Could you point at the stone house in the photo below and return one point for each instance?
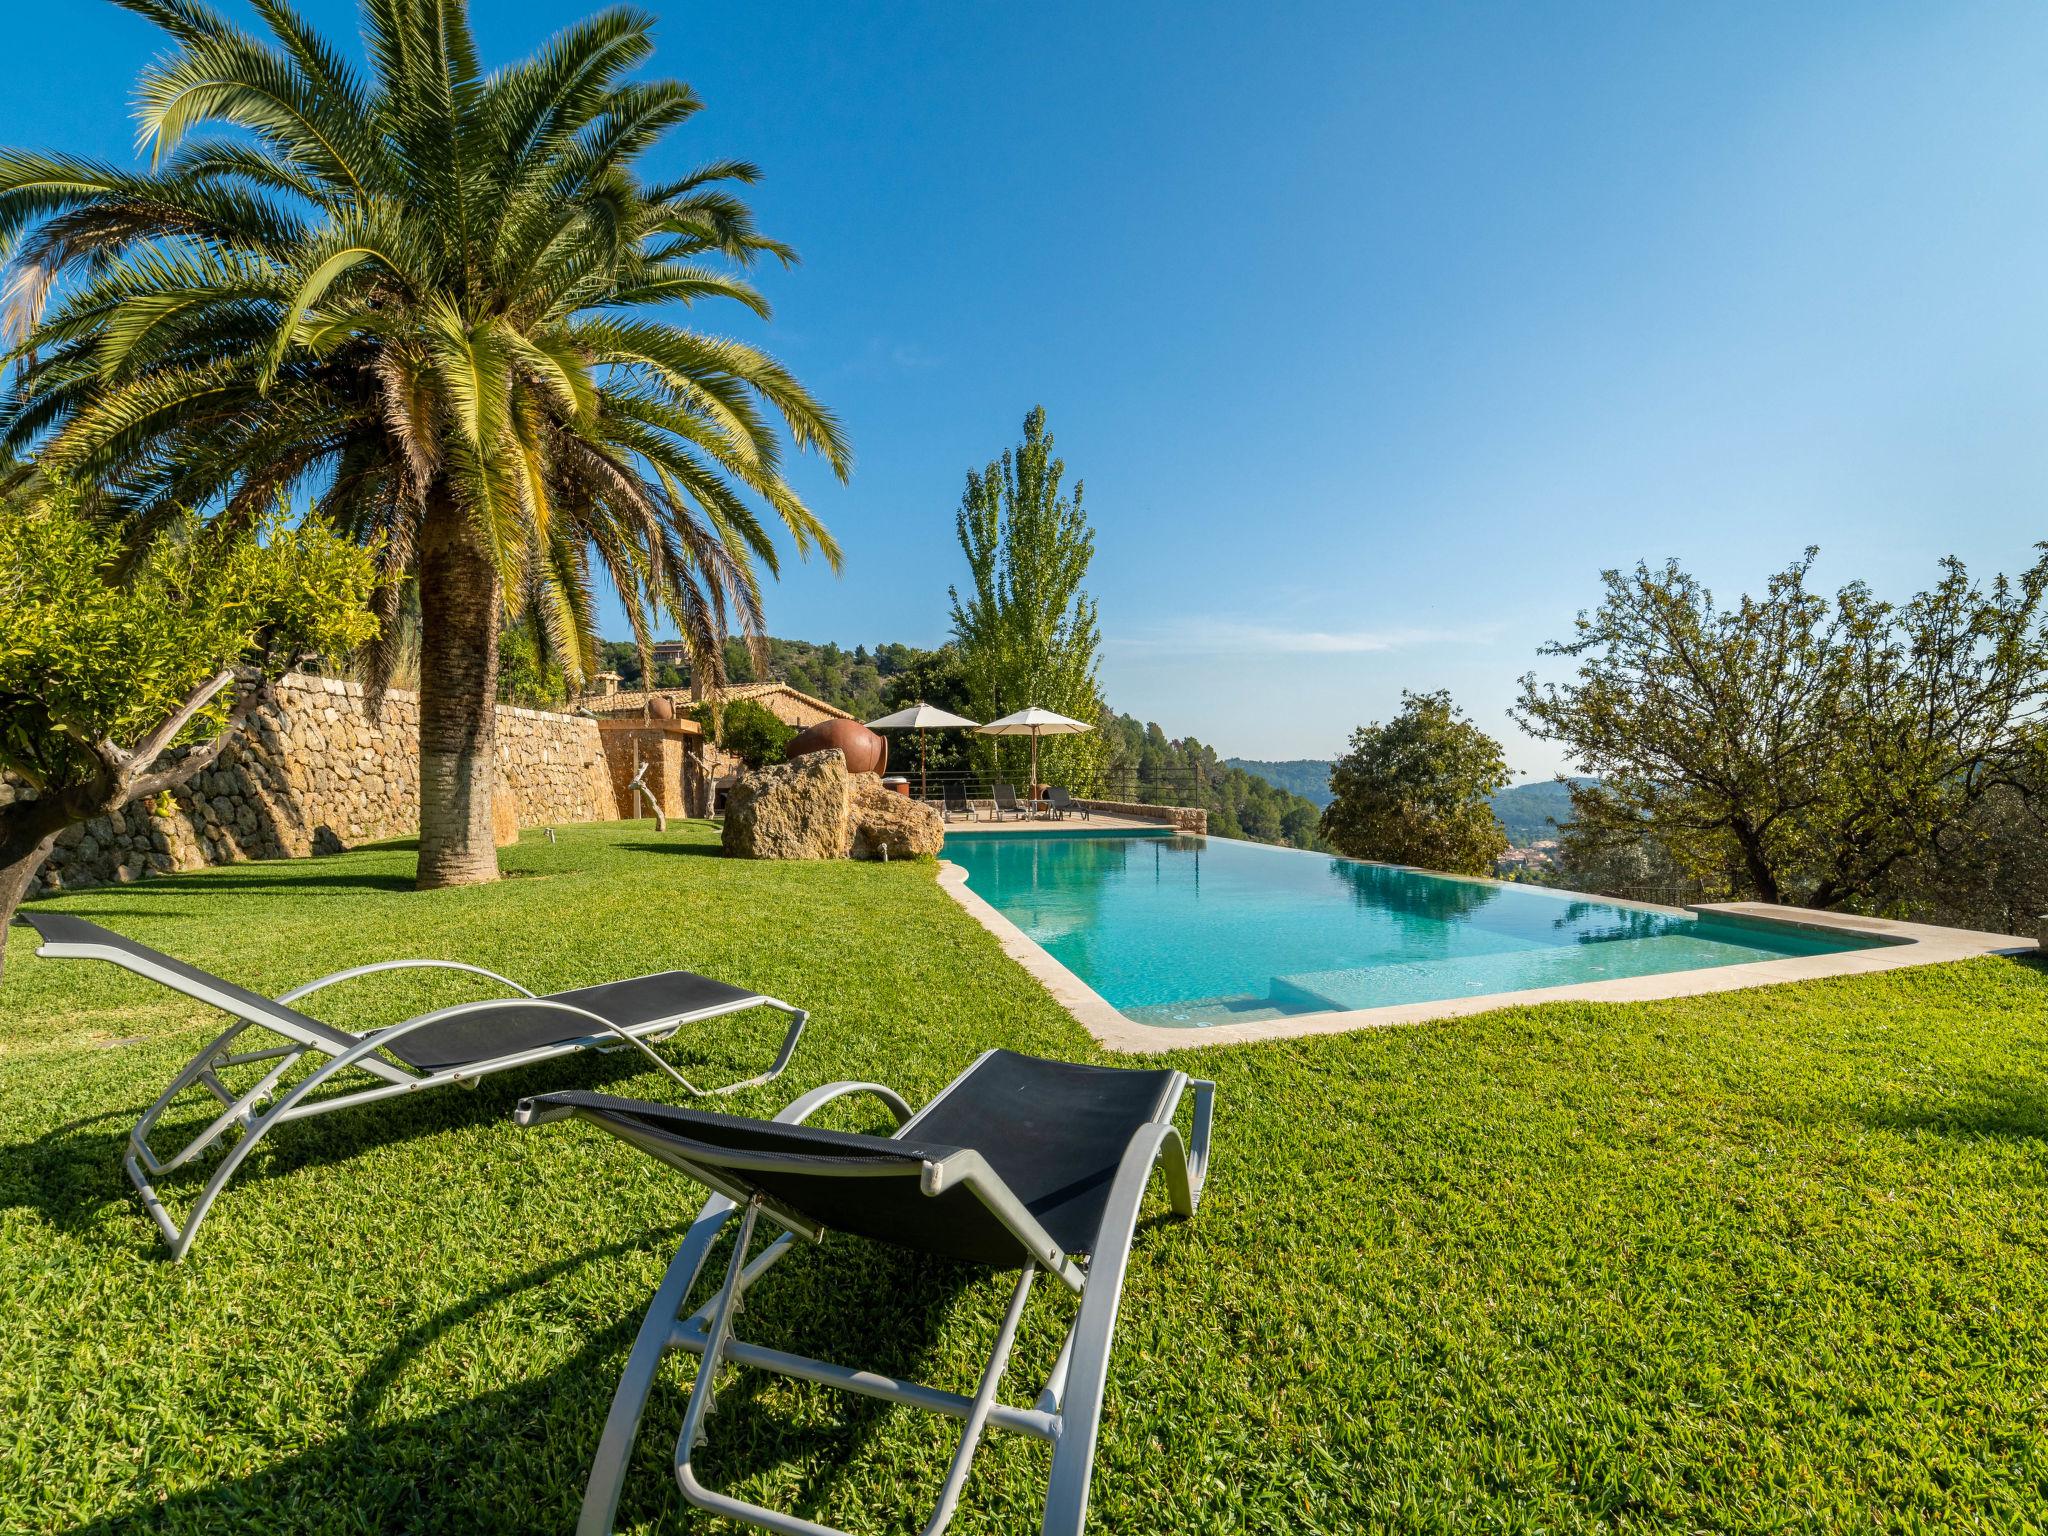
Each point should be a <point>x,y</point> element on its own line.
<point>686,771</point>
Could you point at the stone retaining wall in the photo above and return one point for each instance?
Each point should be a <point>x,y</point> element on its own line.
<point>321,775</point>
<point>1182,818</point>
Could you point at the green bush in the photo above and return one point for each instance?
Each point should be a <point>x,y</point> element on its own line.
<point>746,730</point>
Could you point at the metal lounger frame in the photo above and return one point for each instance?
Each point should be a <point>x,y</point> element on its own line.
<point>242,1110</point>
<point>1060,805</point>
<point>1021,809</point>
<point>1068,1411</point>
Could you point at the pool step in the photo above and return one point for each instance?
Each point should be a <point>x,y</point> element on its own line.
<point>1241,1008</point>
<point>1561,965</point>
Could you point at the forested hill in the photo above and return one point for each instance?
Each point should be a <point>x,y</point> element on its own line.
<point>1149,766</point>
<point>1530,813</point>
<point>1533,812</point>
<point>1308,777</point>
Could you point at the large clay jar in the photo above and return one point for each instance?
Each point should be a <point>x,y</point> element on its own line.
<point>866,751</point>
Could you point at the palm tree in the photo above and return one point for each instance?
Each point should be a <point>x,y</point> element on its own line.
<point>433,301</point>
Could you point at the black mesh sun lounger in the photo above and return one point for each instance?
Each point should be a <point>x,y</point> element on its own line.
<point>1007,803</point>
<point>1063,804</point>
<point>459,1044</point>
<point>1019,1164</point>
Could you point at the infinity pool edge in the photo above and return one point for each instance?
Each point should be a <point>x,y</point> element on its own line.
<point>1897,945</point>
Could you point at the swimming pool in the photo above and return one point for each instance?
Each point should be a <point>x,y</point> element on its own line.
<point>1192,931</point>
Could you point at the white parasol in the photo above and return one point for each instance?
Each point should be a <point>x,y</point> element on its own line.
<point>921,717</point>
<point>1034,722</point>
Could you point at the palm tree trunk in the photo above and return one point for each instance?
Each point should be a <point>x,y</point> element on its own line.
<point>459,612</point>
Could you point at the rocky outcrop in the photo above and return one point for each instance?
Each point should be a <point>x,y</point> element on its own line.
<point>887,825</point>
<point>812,808</point>
<point>790,810</point>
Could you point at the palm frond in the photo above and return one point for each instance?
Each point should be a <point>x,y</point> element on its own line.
<point>402,285</point>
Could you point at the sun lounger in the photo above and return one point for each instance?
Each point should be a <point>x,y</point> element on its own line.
<point>956,802</point>
<point>1020,1164</point>
<point>1007,803</point>
<point>458,1044</point>
<point>1062,804</point>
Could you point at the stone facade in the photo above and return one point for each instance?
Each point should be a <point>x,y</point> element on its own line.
<point>321,775</point>
<point>673,753</point>
<point>792,706</point>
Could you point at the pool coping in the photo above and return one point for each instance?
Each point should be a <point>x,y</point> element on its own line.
<point>1899,945</point>
<point>1015,833</point>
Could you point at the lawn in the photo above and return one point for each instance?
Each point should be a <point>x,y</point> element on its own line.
<point>1755,1261</point>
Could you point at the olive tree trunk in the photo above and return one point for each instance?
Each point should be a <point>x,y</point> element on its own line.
<point>27,834</point>
<point>459,612</point>
<point>116,778</point>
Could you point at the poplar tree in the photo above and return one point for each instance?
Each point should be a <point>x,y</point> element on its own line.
<point>1026,630</point>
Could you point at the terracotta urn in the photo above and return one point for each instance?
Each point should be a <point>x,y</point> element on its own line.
<point>866,751</point>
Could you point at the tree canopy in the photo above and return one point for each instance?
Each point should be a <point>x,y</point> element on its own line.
<point>1415,790</point>
<point>107,662</point>
<point>439,300</point>
<point>1026,630</point>
<point>753,734</point>
<point>1148,766</point>
<point>1798,748</point>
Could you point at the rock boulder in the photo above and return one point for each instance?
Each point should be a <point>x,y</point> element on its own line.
<point>793,810</point>
<point>812,808</point>
<point>889,825</point>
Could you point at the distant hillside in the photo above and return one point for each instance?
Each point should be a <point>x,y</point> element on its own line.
<point>1533,812</point>
<point>1308,777</point>
<point>1529,812</point>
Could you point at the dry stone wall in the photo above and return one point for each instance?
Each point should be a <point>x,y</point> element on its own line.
<point>1182,818</point>
<point>322,775</point>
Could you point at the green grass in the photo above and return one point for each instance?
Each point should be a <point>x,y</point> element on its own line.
<point>1762,1261</point>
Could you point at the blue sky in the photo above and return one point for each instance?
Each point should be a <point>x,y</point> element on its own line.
<point>1375,331</point>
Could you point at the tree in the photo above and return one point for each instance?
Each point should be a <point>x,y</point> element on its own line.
<point>1415,790</point>
<point>1989,871</point>
<point>938,679</point>
<point>527,674</point>
<point>1026,631</point>
<point>102,673</point>
<point>1792,748</point>
<point>1627,861</point>
<point>751,733</point>
<point>435,296</point>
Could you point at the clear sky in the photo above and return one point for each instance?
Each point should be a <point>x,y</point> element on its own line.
<point>1375,331</point>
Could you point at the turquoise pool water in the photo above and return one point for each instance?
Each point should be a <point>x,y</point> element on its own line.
<point>1194,931</point>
